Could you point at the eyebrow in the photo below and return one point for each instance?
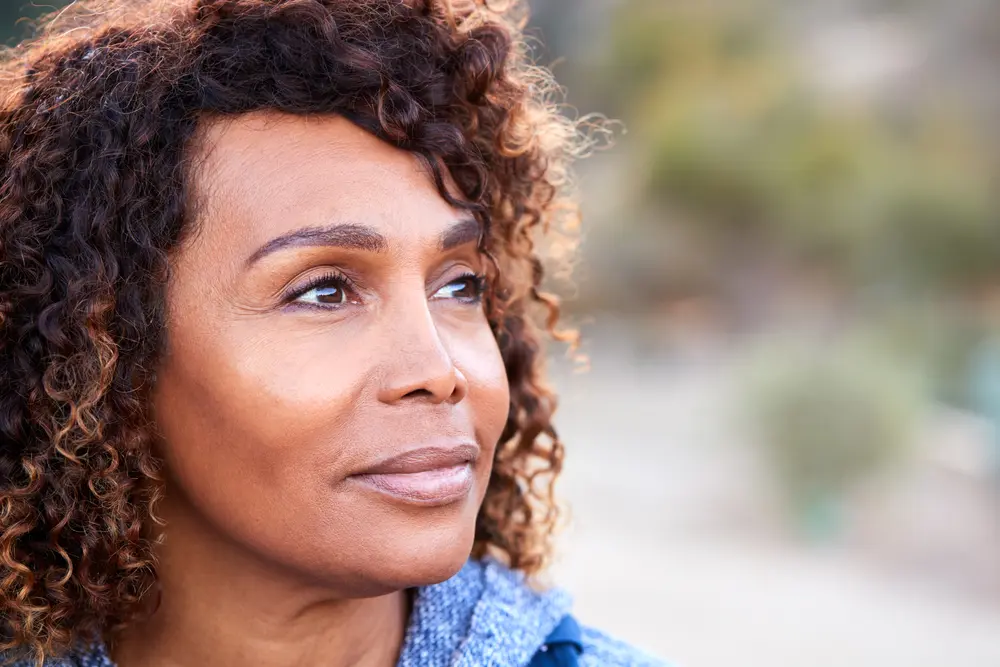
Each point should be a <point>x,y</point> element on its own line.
<point>465,230</point>
<point>353,236</point>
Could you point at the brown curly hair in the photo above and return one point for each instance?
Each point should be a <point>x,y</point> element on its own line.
<point>97,116</point>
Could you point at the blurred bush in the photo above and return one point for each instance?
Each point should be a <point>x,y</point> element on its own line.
<point>746,161</point>
<point>828,416</point>
<point>738,135</point>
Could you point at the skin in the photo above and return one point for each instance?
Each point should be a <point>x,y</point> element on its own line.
<point>274,553</point>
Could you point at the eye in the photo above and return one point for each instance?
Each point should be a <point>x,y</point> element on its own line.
<point>468,288</point>
<point>326,290</point>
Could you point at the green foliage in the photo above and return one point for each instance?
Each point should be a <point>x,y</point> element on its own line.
<point>12,12</point>
<point>734,131</point>
<point>830,414</point>
<point>737,139</point>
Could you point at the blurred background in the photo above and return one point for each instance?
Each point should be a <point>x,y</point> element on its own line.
<point>785,450</point>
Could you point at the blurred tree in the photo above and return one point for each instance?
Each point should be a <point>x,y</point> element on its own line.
<point>736,134</point>
<point>745,149</point>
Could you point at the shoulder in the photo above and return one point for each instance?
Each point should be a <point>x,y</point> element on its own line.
<point>601,649</point>
<point>532,614</point>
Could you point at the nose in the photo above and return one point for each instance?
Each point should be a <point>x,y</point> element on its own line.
<point>417,363</point>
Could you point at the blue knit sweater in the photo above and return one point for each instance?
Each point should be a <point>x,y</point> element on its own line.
<point>485,616</point>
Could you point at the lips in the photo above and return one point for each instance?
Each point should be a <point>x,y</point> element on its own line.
<point>425,459</point>
<point>425,476</point>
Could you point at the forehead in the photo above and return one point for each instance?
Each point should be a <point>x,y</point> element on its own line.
<point>266,174</point>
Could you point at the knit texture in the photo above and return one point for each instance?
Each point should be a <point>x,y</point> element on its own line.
<point>484,616</point>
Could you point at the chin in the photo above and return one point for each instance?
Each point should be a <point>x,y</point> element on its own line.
<point>400,556</point>
<point>426,559</point>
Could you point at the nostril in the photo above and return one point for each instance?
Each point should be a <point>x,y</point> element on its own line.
<point>419,393</point>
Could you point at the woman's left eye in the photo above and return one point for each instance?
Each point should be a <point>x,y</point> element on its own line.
<point>468,288</point>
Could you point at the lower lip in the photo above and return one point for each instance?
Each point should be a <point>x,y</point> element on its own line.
<point>433,487</point>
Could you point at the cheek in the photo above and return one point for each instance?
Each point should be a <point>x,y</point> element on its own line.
<point>253,421</point>
<point>489,391</point>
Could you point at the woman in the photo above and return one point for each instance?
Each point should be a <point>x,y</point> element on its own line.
<point>269,373</point>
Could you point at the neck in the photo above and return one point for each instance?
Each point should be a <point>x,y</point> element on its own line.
<point>219,605</point>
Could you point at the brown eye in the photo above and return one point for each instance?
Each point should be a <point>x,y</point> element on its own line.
<point>329,294</point>
<point>468,288</point>
<point>330,290</point>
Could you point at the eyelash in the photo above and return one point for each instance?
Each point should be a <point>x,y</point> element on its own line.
<point>339,280</point>
<point>479,283</point>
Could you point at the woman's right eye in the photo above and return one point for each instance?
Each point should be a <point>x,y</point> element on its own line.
<point>323,291</point>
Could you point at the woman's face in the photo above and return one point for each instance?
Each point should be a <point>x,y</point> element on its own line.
<point>331,394</point>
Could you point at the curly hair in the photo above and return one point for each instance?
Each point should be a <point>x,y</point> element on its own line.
<point>97,118</point>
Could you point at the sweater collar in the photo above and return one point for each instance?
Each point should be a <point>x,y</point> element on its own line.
<point>486,614</point>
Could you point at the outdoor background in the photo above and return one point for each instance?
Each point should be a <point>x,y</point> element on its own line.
<point>785,451</point>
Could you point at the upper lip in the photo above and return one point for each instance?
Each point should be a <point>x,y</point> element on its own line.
<point>425,459</point>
